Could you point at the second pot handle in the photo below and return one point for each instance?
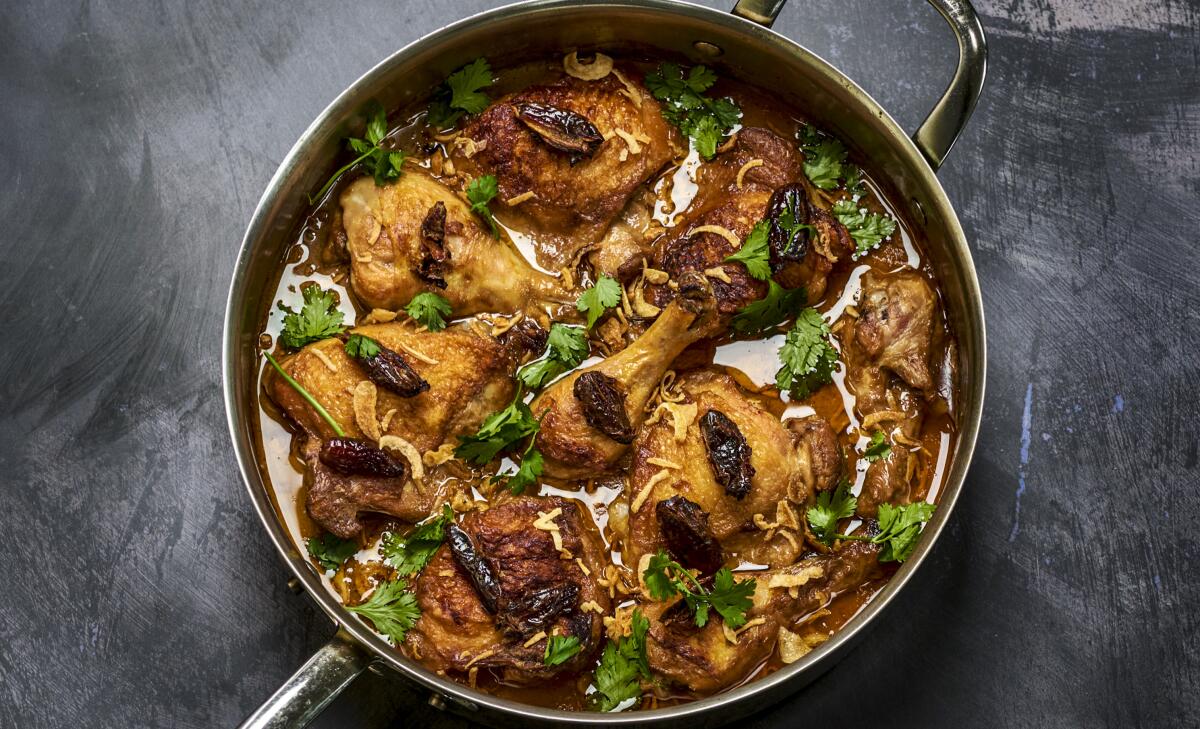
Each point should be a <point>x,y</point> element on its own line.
<point>945,123</point>
<point>310,689</point>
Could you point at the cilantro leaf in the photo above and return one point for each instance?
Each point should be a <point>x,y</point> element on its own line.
<point>361,347</point>
<point>461,93</point>
<point>867,229</point>
<point>878,447</point>
<point>770,311</point>
<point>808,357</point>
<point>384,164</point>
<point>601,296</point>
<point>502,430</point>
<point>899,528</point>
<point>560,649</point>
<point>831,507</point>
<point>330,551</point>
<point>566,348</point>
<point>528,472</point>
<point>319,318</point>
<point>480,192</point>
<point>754,254</point>
<point>536,374</point>
<point>705,120</point>
<point>665,578</point>
<point>409,554</point>
<point>391,608</point>
<point>622,666</point>
<point>823,163</point>
<point>430,310</point>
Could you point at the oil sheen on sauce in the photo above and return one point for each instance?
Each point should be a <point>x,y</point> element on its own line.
<point>752,362</point>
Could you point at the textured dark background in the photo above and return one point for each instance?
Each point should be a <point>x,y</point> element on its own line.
<point>139,589</point>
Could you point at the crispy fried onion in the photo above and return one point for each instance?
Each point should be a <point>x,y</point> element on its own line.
<point>535,638</point>
<point>518,199</point>
<point>633,298</point>
<point>792,581</point>
<point>594,71</point>
<point>719,273</point>
<point>630,91</point>
<point>722,231</point>
<point>631,142</point>
<point>419,355</point>
<point>746,168</point>
<point>663,463</point>
<point>793,646</point>
<point>505,323</point>
<point>591,606</point>
<point>444,452</point>
<point>365,395</point>
<point>545,522</point>
<point>324,359</point>
<point>882,416</point>
<point>409,451</point>
<point>387,420</point>
<point>469,146</point>
<point>682,416</point>
<point>728,143</point>
<point>731,635</point>
<point>785,517</point>
<point>645,492</point>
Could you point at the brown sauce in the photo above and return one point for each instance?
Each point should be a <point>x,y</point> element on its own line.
<point>753,362</point>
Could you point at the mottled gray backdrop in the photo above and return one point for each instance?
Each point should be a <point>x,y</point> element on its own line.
<point>139,589</point>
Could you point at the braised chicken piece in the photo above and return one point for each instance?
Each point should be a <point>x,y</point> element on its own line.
<point>712,658</point>
<point>589,417</point>
<point>505,579</point>
<point>888,371</point>
<point>468,376</point>
<point>719,455</point>
<point>760,177</point>
<point>582,148</point>
<point>416,234</point>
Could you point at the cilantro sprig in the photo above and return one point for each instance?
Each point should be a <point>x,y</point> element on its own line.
<point>430,310</point>
<point>599,298</point>
<point>878,447</point>
<point>831,507</point>
<point>623,666</point>
<point>770,311</point>
<point>359,346</point>
<point>331,551</point>
<point>666,578</point>
<point>560,649</point>
<point>707,121</point>
<point>755,254</point>
<point>480,192</point>
<point>318,318</point>
<point>503,430</point>
<point>566,348</point>
<point>391,608</point>
<point>899,528</point>
<point>385,164</point>
<point>461,93</point>
<point>824,158</point>
<point>410,553</point>
<point>867,229</point>
<point>807,355</point>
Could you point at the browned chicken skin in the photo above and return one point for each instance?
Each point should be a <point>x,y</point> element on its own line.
<point>416,234</point>
<point>769,166</point>
<point>787,463</point>
<point>576,195</point>
<point>705,660</point>
<point>888,370</point>
<point>471,378</point>
<point>539,590</point>
<point>568,439</point>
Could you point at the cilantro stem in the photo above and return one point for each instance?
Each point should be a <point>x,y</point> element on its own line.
<point>305,394</point>
<point>312,199</point>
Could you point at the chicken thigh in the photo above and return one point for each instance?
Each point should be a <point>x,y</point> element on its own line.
<point>415,235</point>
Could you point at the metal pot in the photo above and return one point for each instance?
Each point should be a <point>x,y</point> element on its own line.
<point>742,45</point>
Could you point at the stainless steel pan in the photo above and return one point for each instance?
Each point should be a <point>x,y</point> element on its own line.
<point>739,44</point>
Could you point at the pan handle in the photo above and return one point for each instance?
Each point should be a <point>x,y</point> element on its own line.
<point>303,696</point>
<point>945,123</point>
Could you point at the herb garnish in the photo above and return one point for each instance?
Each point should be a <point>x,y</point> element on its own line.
<point>867,229</point>
<point>623,666</point>
<point>770,311</point>
<point>337,429</point>
<point>560,649</point>
<point>409,554</point>
<point>331,551</point>
<point>754,254</point>
<point>878,447</point>
<point>430,310</point>
<point>824,158</point>
<point>831,507</point>
<point>384,163</point>
<point>601,296</point>
<point>705,120</point>
<point>899,526</point>
<point>460,93</point>
<point>808,357</point>
<point>318,318</point>
<point>480,192</point>
<point>566,347</point>
<point>502,430</point>
<point>666,578</point>
<point>361,347</point>
<point>391,608</point>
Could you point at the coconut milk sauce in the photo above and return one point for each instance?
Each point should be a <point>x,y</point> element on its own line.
<point>753,362</point>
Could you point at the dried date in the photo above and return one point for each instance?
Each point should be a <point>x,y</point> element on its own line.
<point>603,403</point>
<point>355,457</point>
<point>391,372</point>
<point>685,530</point>
<point>479,571</point>
<point>561,129</point>
<point>536,610</point>
<point>434,256</point>
<point>728,453</point>
<point>791,227</point>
